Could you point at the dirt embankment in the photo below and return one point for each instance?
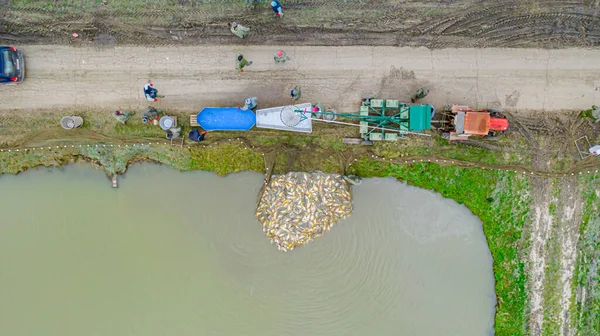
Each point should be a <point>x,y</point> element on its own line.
<point>429,23</point>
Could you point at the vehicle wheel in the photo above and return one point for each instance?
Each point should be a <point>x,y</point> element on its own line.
<point>447,108</point>
<point>446,135</point>
<point>368,96</point>
<point>492,136</point>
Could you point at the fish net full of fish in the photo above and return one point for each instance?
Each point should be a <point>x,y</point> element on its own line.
<point>297,207</point>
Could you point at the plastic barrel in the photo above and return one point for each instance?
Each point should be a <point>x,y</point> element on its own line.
<point>71,122</point>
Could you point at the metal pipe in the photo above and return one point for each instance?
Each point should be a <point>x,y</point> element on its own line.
<point>374,127</point>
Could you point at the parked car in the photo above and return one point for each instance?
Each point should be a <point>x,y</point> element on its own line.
<point>12,65</point>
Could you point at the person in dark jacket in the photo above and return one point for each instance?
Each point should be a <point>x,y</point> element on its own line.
<point>197,136</point>
<point>150,92</point>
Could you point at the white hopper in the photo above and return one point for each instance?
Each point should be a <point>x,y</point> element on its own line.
<point>273,118</point>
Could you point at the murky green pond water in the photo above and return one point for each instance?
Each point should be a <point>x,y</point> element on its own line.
<point>172,253</point>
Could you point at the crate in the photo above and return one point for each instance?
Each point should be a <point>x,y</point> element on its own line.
<point>392,103</point>
<point>194,120</point>
<point>364,110</point>
<point>377,102</point>
<point>364,127</point>
<point>404,112</point>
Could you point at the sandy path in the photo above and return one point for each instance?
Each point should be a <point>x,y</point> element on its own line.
<point>193,77</point>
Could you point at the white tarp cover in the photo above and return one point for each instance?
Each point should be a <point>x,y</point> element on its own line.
<point>271,118</point>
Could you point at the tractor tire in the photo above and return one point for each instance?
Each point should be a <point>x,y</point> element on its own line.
<point>367,96</point>
<point>328,117</point>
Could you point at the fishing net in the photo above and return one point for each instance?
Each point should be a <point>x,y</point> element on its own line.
<point>290,117</point>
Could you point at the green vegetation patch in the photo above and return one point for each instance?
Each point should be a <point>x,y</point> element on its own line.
<point>223,159</point>
<point>501,201</point>
<point>585,312</point>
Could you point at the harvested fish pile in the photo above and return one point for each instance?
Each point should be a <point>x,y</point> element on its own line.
<point>298,207</point>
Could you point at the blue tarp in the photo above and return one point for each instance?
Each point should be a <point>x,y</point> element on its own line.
<point>226,119</point>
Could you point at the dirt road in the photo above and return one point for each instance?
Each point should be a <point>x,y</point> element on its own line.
<point>193,77</point>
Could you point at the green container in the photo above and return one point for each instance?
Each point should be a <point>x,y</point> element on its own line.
<point>420,118</point>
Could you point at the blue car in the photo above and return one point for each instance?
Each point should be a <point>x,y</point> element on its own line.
<point>12,65</point>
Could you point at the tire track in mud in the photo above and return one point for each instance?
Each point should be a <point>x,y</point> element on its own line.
<point>434,24</point>
<point>519,22</point>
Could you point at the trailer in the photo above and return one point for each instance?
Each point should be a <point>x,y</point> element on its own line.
<point>378,119</point>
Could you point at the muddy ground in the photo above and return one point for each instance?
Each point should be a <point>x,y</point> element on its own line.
<point>429,23</point>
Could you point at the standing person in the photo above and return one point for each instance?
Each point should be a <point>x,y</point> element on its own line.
<point>276,6</point>
<point>420,94</point>
<point>239,30</point>
<point>295,93</point>
<point>280,56</point>
<point>151,93</point>
<point>242,62</point>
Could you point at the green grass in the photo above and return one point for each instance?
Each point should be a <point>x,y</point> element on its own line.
<point>552,274</point>
<point>586,313</point>
<point>501,200</point>
<point>224,159</point>
<point>13,163</point>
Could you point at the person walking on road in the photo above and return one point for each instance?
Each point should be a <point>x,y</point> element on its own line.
<point>276,6</point>
<point>420,94</point>
<point>239,30</point>
<point>242,62</point>
<point>151,93</point>
<point>280,56</point>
